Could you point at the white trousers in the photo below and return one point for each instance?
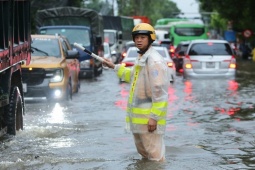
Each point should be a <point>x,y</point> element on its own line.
<point>150,146</point>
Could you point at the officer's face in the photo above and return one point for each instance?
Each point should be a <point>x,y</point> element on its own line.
<point>141,41</point>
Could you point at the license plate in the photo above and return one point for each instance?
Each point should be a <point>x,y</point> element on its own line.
<point>24,86</point>
<point>210,65</point>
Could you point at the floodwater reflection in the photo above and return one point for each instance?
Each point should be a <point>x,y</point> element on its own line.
<point>57,115</point>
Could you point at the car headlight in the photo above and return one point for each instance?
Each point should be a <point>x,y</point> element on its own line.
<point>85,64</point>
<point>57,76</point>
<point>113,52</point>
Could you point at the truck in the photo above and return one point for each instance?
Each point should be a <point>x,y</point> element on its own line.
<point>117,30</point>
<point>113,35</point>
<point>127,24</point>
<point>141,19</point>
<point>15,42</point>
<point>81,25</point>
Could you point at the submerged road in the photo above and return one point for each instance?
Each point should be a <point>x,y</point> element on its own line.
<point>210,125</point>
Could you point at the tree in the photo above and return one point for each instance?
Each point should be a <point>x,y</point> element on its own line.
<point>239,12</point>
<point>150,8</point>
<point>103,7</point>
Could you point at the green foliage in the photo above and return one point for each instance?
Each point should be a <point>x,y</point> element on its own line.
<point>105,8</point>
<point>240,12</point>
<point>150,8</point>
<point>153,9</point>
<point>218,22</point>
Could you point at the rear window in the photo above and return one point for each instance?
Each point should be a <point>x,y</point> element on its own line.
<point>133,53</point>
<point>210,49</point>
<point>189,31</point>
<point>162,52</point>
<point>165,45</point>
<point>182,47</point>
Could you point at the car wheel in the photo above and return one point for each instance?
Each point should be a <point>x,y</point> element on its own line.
<point>172,79</point>
<point>78,86</point>
<point>15,111</point>
<point>69,93</point>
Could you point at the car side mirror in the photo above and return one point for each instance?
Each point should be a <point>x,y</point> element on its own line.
<point>72,54</point>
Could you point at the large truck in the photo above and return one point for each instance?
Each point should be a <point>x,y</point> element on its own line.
<point>81,25</point>
<point>141,19</point>
<point>15,42</point>
<point>117,31</point>
<point>127,27</point>
<point>113,35</point>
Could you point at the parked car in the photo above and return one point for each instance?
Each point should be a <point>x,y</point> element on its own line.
<point>53,70</point>
<point>209,58</point>
<point>178,57</point>
<point>132,54</point>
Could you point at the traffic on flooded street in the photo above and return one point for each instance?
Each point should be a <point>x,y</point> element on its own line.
<point>119,85</point>
<point>210,125</point>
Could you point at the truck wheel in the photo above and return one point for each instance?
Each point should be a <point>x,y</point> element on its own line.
<point>15,112</point>
<point>78,86</point>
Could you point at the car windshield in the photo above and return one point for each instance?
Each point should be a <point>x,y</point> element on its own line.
<point>45,47</point>
<point>167,45</point>
<point>189,31</point>
<point>109,37</point>
<point>133,53</point>
<point>210,49</point>
<point>181,48</point>
<point>79,36</point>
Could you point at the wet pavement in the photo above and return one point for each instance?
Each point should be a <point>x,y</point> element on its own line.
<point>210,125</point>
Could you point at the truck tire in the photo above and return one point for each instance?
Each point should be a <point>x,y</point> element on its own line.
<point>15,112</point>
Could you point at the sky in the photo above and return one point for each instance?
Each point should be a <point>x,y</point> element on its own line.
<point>190,8</point>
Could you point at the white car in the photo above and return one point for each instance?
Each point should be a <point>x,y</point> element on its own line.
<point>209,59</point>
<point>132,54</point>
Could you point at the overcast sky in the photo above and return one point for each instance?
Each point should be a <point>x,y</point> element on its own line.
<point>189,7</point>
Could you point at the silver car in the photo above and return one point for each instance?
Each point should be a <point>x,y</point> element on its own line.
<point>132,54</point>
<point>209,58</point>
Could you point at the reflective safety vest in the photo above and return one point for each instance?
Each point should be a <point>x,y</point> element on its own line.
<point>148,97</point>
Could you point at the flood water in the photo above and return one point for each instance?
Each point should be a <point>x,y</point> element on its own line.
<point>210,125</point>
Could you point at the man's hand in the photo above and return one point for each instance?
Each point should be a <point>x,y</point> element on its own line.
<point>108,63</point>
<point>152,125</point>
